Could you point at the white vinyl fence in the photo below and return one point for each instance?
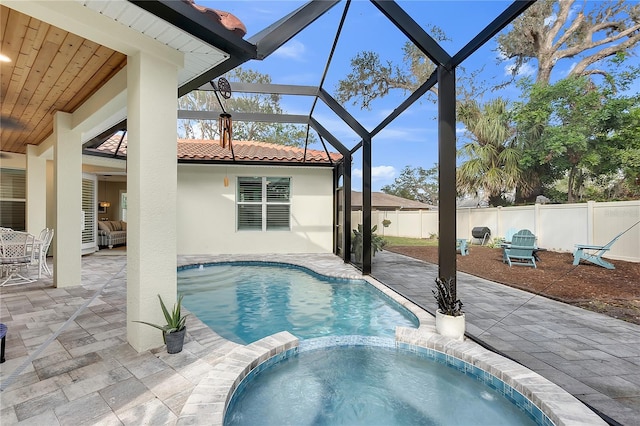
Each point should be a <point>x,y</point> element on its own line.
<point>558,227</point>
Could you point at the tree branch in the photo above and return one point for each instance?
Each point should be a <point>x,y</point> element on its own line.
<point>563,15</point>
<point>604,53</point>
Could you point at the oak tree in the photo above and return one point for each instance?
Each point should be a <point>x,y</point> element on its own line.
<point>586,33</point>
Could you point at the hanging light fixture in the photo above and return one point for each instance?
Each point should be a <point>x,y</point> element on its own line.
<point>104,204</point>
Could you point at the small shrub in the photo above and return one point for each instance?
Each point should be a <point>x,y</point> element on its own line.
<point>446,298</point>
<point>496,242</point>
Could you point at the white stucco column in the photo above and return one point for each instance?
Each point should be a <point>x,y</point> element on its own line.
<point>36,191</point>
<point>151,190</point>
<point>67,160</point>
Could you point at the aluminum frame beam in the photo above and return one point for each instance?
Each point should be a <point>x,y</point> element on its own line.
<point>244,116</point>
<point>343,114</point>
<point>271,38</point>
<point>414,32</point>
<point>329,137</point>
<point>269,89</point>
<point>504,19</point>
<point>366,205</point>
<point>447,173</point>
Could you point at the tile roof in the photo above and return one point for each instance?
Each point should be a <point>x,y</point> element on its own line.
<point>251,151</point>
<point>244,151</point>
<point>380,200</point>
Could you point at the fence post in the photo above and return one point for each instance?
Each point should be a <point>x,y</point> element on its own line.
<point>536,224</point>
<point>590,221</point>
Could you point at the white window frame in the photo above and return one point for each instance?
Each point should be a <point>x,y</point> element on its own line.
<point>11,185</point>
<point>264,203</point>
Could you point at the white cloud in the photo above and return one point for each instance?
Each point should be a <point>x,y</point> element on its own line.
<point>377,173</point>
<point>380,176</point>
<point>291,50</point>
<point>525,69</point>
<point>383,172</point>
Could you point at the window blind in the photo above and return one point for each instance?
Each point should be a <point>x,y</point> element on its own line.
<point>263,203</point>
<point>13,199</point>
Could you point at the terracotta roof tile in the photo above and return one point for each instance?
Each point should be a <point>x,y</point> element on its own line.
<point>250,151</point>
<point>226,19</point>
<point>244,151</point>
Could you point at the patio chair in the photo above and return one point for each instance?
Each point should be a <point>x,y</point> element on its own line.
<point>521,250</point>
<point>40,249</point>
<point>461,244</point>
<point>15,255</point>
<point>596,256</point>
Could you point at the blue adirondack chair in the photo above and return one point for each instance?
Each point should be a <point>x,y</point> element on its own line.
<point>594,257</point>
<point>461,244</point>
<point>521,250</point>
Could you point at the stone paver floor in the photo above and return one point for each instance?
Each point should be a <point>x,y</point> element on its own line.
<point>68,361</point>
<point>594,357</point>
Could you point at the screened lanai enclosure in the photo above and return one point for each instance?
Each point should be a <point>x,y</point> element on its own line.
<point>264,43</point>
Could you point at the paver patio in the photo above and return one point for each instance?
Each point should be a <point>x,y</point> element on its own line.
<point>82,370</point>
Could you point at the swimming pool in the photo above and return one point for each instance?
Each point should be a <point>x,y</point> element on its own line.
<point>246,301</point>
<point>374,384</point>
<point>210,398</point>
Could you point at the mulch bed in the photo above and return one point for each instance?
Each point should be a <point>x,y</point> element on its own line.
<point>612,292</point>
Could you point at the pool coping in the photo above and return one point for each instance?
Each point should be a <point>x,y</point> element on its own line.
<point>210,398</point>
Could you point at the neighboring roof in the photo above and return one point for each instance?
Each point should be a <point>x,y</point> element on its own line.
<point>380,200</point>
<point>243,151</point>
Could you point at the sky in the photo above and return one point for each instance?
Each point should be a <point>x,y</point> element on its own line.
<point>411,139</point>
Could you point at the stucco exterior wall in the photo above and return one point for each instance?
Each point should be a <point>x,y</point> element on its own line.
<point>206,211</point>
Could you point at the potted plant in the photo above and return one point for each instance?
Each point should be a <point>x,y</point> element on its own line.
<point>450,319</point>
<point>377,242</point>
<point>173,332</point>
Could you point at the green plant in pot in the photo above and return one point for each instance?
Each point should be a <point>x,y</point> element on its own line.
<point>450,319</point>
<point>173,332</point>
<point>377,242</point>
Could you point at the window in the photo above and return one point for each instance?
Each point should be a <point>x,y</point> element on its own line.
<point>264,203</point>
<point>13,199</point>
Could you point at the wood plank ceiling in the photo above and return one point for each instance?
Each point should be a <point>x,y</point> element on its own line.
<point>50,70</point>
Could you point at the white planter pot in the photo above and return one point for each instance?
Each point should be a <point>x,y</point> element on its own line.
<point>449,326</point>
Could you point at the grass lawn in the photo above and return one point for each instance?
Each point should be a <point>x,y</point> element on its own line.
<point>405,241</point>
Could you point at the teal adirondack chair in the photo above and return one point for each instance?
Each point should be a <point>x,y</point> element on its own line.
<point>596,256</point>
<point>520,251</point>
<point>461,244</point>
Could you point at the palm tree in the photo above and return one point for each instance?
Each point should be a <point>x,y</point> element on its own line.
<point>492,159</point>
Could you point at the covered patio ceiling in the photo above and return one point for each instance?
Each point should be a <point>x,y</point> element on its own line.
<point>51,63</point>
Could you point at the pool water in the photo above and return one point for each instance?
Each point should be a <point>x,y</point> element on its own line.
<point>363,385</point>
<point>244,302</point>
